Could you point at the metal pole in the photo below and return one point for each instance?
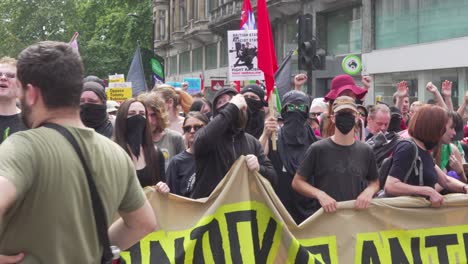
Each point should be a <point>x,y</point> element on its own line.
<point>309,81</point>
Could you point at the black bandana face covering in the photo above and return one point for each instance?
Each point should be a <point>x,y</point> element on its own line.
<point>93,115</point>
<point>345,121</point>
<point>256,117</point>
<point>136,127</point>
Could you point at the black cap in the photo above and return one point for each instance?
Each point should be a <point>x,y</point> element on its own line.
<point>230,91</point>
<point>256,89</point>
<point>97,89</point>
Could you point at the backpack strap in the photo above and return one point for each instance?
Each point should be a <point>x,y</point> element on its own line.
<point>416,165</point>
<point>96,201</point>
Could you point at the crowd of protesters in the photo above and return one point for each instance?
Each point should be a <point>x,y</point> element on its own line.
<point>329,149</point>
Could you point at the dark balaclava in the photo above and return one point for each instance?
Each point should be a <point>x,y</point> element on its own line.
<point>295,128</point>
<point>255,113</point>
<point>94,115</point>
<point>136,129</point>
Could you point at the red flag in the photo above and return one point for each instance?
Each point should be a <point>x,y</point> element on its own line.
<point>202,84</point>
<point>247,16</point>
<point>238,86</point>
<point>266,48</point>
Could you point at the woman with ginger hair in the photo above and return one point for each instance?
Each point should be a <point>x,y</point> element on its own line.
<point>173,99</point>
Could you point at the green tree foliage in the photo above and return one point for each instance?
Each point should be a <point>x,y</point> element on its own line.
<point>109,29</point>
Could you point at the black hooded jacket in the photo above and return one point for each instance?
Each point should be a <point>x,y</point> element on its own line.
<point>218,145</point>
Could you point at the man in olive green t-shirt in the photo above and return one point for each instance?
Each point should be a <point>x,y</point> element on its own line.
<point>46,213</point>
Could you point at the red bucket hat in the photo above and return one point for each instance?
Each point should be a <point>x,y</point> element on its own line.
<point>342,83</point>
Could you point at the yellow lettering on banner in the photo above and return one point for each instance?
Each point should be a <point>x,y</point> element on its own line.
<point>430,245</point>
<point>243,232</point>
<point>316,250</point>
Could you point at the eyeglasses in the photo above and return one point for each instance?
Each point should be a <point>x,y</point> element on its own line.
<point>9,75</point>
<point>291,108</point>
<point>188,129</point>
<point>362,114</point>
<point>315,114</point>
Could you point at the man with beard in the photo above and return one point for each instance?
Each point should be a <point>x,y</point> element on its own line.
<point>339,168</point>
<point>10,121</point>
<point>255,98</point>
<point>220,143</point>
<point>294,137</point>
<point>45,199</point>
<point>94,109</point>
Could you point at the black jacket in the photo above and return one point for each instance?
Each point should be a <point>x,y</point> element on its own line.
<point>217,146</point>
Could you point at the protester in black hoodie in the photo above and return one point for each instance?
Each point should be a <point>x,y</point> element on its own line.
<point>294,137</point>
<point>219,144</point>
<point>93,109</point>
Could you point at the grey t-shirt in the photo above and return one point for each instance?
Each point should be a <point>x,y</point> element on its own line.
<point>171,144</point>
<point>340,171</point>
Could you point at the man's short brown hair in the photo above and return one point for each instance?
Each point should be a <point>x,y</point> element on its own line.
<point>56,69</point>
<point>428,124</point>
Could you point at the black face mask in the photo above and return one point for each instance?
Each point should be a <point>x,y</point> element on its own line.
<point>93,115</point>
<point>136,128</point>
<point>256,117</point>
<point>345,121</point>
<point>254,105</point>
<point>294,128</point>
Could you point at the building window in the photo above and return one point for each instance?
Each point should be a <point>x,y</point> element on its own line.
<point>385,84</point>
<point>405,22</point>
<point>184,62</point>
<point>291,35</point>
<point>197,59</point>
<point>344,31</point>
<point>211,56</point>
<point>162,24</point>
<point>224,54</point>
<point>212,4</point>
<point>173,65</point>
<point>194,15</point>
<point>182,13</point>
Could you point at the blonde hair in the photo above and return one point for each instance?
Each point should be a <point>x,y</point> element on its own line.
<point>179,97</point>
<point>154,103</point>
<point>8,60</point>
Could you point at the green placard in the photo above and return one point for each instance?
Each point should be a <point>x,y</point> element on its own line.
<point>352,65</point>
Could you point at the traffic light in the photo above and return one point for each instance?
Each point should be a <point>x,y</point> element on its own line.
<point>307,44</point>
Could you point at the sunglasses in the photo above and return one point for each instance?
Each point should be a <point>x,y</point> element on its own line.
<point>291,108</point>
<point>188,129</point>
<point>9,75</point>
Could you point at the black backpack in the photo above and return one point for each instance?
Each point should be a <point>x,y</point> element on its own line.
<point>383,147</point>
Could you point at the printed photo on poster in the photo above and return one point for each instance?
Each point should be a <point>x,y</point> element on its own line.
<point>243,61</point>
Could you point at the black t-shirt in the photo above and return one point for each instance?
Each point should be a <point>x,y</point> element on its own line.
<point>402,160</point>
<point>340,171</point>
<point>180,173</point>
<point>9,125</point>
